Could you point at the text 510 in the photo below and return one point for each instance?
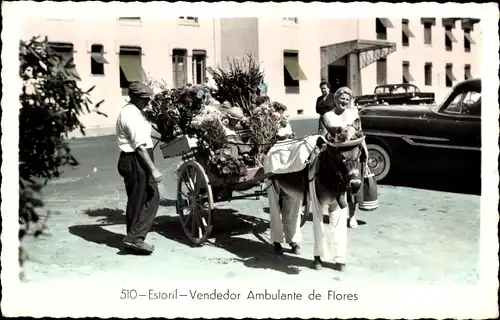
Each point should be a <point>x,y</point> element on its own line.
<point>129,294</point>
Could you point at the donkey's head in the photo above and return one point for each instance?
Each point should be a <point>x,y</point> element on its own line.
<point>341,163</point>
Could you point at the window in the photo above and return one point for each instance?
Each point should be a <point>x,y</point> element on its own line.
<point>406,33</point>
<point>467,40</point>
<point>449,38</point>
<point>65,52</point>
<point>199,66</point>
<point>466,103</point>
<point>467,72</point>
<point>293,20</point>
<point>179,67</point>
<point>381,25</point>
<point>449,75</point>
<point>97,59</point>
<point>130,66</point>
<point>407,78</point>
<point>190,19</point>
<point>381,71</point>
<point>292,73</point>
<point>427,33</point>
<point>428,73</point>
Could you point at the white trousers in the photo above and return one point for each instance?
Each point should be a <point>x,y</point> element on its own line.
<point>337,228</point>
<point>285,222</point>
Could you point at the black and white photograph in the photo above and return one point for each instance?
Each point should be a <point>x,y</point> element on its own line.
<point>250,160</point>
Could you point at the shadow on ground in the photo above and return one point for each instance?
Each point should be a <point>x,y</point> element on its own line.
<point>444,183</point>
<point>226,223</point>
<point>326,218</point>
<point>229,225</point>
<point>95,233</point>
<point>164,202</point>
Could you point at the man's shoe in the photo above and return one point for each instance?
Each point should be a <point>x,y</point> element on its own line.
<point>295,248</point>
<point>138,246</point>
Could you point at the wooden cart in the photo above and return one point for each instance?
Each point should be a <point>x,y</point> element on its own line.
<point>198,189</point>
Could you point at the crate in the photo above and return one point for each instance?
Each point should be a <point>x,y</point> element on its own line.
<point>178,146</point>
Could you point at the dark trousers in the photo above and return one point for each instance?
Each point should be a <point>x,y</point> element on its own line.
<point>142,193</point>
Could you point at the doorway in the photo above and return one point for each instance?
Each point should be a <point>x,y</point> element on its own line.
<point>337,76</point>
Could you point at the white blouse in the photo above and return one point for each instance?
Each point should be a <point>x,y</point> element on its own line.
<point>350,117</point>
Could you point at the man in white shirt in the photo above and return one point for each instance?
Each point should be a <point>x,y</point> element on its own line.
<point>136,166</point>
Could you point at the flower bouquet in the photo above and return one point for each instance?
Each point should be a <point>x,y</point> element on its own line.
<point>172,110</point>
<point>225,166</point>
<point>264,123</point>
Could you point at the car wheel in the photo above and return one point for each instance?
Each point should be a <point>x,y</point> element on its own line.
<point>379,161</point>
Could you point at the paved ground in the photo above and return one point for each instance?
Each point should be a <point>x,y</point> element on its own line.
<point>416,236</point>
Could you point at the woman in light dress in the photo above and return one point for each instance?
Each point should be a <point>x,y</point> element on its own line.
<point>344,115</point>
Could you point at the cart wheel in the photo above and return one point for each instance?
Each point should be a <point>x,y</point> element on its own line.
<point>304,215</point>
<point>194,202</point>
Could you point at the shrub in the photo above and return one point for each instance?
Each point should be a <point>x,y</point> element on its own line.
<point>51,102</point>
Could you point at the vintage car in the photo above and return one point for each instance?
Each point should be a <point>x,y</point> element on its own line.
<point>443,138</point>
<point>439,138</point>
<point>390,94</point>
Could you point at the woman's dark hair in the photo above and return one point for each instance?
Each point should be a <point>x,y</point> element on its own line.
<point>324,83</point>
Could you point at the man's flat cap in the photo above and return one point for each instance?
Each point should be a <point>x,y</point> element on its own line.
<point>139,90</point>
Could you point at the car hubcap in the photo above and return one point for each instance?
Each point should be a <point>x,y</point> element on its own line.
<point>376,162</point>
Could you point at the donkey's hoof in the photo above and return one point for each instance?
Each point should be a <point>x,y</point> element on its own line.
<point>278,249</point>
<point>295,248</point>
<point>352,223</point>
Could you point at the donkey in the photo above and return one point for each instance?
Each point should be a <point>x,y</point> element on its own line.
<point>335,171</point>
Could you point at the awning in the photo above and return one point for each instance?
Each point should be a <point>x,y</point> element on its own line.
<point>386,22</point>
<point>468,74</point>
<point>98,57</point>
<point>431,21</point>
<point>407,74</point>
<point>449,74</point>
<point>369,52</point>
<point>197,52</point>
<point>293,68</point>
<point>468,37</point>
<point>132,68</point>
<point>451,36</point>
<point>407,31</point>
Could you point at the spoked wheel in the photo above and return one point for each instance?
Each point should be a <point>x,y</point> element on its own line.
<point>194,202</point>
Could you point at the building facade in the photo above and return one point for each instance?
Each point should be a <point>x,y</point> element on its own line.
<point>295,54</point>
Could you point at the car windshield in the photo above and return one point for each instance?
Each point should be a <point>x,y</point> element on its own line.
<point>470,92</point>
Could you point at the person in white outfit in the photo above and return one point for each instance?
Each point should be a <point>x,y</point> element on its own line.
<point>342,116</point>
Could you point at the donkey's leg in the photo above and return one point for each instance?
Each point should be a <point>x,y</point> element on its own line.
<point>319,236</point>
<point>290,217</point>
<point>276,225</point>
<point>352,222</point>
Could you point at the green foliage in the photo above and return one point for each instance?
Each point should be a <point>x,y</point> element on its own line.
<point>239,84</point>
<point>51,102</point>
